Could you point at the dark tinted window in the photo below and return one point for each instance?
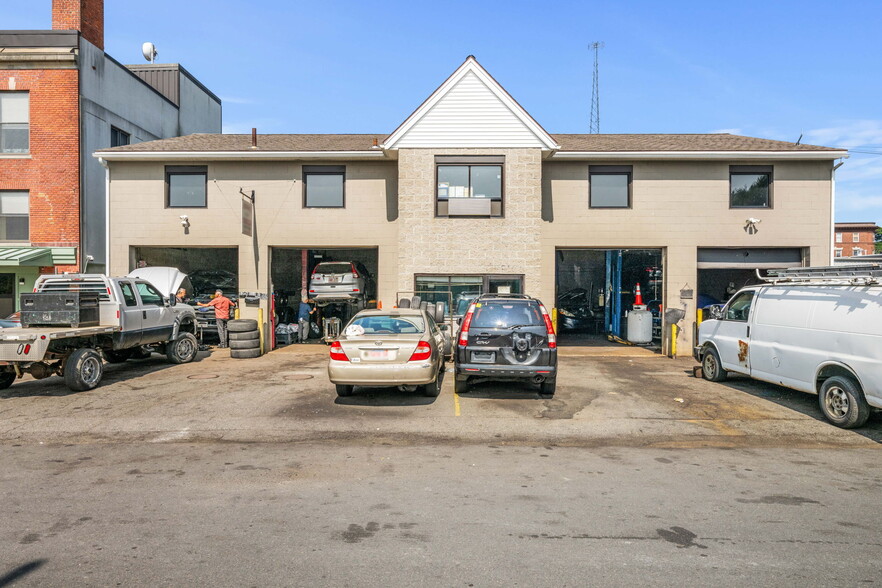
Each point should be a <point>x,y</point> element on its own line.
<point>324,186</point>
<point>186,186</point>
<point>128,294</point>
<point>750,187</point>
<point>504,314</point>
<point>333,268</point>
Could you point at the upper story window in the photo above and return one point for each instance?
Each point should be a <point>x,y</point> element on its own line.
<point>837,252</point>
<point>185,186</point>
<point>855,237</point>
<point>14,122</point>
<point>14,216</point>
<point>750,186</point>
<point>118,138</point>
<point>839,237</point>
<point>469,185</point>
<point>324,186</point>
<point>609,186</point>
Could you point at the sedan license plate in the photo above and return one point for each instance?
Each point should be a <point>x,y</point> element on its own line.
<point>483,356</point>
<point>380,354</point>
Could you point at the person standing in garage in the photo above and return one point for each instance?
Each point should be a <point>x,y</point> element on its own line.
<point>222,306</point>
<point>305,311</point>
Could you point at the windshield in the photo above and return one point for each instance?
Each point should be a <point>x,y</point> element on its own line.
<point>500,315</point>
<point>387,324</point>
<point>333,268</point>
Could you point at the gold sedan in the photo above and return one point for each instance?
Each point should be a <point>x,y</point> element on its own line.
<point>380,348</point>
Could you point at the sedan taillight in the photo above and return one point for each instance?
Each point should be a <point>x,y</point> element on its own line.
<point>337,353</point>
<point>422,352</point>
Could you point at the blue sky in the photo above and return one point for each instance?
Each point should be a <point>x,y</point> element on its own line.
<point>765,69</point>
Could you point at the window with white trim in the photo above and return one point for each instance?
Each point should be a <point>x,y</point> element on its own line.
<point>855,237</point>
<point>14,122</point>
<point>14,215</point>
<point>856,251</point>
<point>837,252</point>
<point>839,237</point>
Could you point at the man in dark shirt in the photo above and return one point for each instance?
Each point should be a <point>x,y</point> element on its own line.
<point>303,317</point>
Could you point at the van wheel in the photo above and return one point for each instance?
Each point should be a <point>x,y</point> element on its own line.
<point>843,402</point>
<point>344,390</point>
<point>711,368</point>
<point>83,369</point>
<point>183,349</point>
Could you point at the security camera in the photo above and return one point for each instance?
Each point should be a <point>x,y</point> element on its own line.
<point>184,217</point>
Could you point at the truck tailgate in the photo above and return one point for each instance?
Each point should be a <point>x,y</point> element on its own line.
<point>30,344</point>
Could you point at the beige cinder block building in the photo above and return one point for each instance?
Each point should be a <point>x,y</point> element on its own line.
<point>470,194</point>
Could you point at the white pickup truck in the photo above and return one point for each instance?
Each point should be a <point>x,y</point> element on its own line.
<point>133,318</point>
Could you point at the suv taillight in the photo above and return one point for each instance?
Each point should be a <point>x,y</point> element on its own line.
<point>464,331</point>
<point>337,352</point>
<point>354,271</point>
<point>549,328</point>
<point>422,352</point>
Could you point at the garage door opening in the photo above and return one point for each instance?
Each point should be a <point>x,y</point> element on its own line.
<point>292,272</point>
<point>595,288</point>
<point>722,271</point>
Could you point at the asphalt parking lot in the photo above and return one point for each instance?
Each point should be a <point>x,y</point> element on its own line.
<point>606,396</point>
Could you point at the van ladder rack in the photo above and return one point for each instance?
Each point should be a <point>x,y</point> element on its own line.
<point>862,274</point>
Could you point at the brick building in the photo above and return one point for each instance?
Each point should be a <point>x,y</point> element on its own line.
<point>62,98</point>
<point>854,239</point>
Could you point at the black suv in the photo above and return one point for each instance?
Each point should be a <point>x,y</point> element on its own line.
<point>506,337</point>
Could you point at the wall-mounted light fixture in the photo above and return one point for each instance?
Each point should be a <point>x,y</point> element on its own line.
<point>185,221</point>
<point>750,225</point>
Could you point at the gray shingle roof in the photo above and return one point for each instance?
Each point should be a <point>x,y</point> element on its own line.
<point>707,142</point>
<point>568,142</point>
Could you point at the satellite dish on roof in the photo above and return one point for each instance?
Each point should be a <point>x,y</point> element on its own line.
<point>148,49</point>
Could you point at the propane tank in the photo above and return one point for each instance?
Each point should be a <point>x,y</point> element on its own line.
<point>639,321</point>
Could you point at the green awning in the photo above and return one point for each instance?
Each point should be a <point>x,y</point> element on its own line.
<point>37,256</point>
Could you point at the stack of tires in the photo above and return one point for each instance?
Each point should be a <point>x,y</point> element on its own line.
<point>244,338</point>
<point>435,310</point>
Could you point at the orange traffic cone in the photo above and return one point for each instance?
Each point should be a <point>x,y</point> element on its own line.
<point>638,297</point>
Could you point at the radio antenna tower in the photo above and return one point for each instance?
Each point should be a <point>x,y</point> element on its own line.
<point>594,124</point>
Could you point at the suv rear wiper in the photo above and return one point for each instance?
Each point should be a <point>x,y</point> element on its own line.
<point>519,326</point>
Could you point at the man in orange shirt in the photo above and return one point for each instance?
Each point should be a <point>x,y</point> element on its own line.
<point>222,306</point>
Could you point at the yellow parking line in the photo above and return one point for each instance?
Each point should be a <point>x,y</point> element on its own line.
<point>455,404</point>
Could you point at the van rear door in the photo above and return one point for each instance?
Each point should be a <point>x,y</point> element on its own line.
<point>732,333</point>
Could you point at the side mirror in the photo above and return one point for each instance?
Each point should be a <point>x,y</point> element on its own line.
<point>169,301</point>
<point>716,311</point>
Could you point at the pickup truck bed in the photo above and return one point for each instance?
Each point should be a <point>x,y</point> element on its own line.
<point>12,341</point>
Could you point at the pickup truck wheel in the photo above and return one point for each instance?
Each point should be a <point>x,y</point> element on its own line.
<point>183,349</point>
<point>6,379</point>
<point>843,402</point>
<point>711,369</point>
<point>242,325</point>
<point>117,356</point>
<point>83,369</point>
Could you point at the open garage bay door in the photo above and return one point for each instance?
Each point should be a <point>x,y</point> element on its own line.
<point>724,271</point>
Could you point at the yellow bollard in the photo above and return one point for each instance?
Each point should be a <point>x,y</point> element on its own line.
<point>260,327</point>
<point>700,315</point>
<point>554,319</point>
<point>674,330</point>
<point>236,312</point>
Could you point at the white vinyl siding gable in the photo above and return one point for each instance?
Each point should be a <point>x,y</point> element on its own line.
<point>469,115</point>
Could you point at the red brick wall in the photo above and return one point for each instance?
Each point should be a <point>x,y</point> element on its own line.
<point>866,241</point>
<point>52,173</point>
<point>86,16</point>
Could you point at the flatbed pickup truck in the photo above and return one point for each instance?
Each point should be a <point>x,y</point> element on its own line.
<point>134,320</point>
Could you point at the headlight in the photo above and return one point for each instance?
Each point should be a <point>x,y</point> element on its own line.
<point>566,313</point>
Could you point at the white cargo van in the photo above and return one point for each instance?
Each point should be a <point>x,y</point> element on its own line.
<point>817,330</point>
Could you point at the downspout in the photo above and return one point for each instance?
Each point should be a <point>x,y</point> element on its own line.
<point>103,162</point>
<point>833,210</point>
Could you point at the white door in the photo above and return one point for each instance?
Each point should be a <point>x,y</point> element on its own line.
<point>732,333</point>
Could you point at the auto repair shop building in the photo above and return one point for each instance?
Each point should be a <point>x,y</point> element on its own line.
<point>470,194</point>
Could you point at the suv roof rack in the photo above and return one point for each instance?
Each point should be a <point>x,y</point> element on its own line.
<point>857,274</point>
<point>497,295</point>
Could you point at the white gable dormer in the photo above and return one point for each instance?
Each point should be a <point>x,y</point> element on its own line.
<point>470,109</point>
